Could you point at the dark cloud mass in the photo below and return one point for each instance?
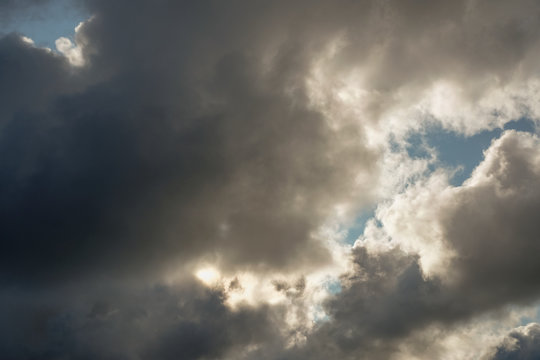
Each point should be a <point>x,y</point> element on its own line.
<point>522,343</point>
<point>171,151</point>
<point>112,321</point>
<point>212,132</point>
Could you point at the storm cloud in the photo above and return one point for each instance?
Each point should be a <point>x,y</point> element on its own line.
<point>177,178</point>
<point>218,159</point>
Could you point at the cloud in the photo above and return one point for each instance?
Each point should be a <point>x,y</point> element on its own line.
<point>120,321</point>
<point>70,50</point>
<point>521,343</point>
<point>171,161</point>
<point>485,232</point>
<point>177,131</point>
<point>242,137</point>
<point>26,87</point>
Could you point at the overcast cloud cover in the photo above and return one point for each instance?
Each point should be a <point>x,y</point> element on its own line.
<point>180,180</point>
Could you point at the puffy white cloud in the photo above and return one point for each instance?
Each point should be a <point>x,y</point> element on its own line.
<point>71,51</point>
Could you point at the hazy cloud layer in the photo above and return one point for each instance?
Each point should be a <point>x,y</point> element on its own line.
<point>245,136</point>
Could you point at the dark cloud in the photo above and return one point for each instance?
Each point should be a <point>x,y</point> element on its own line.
<point>25,86</point>
<point>119,321</point>
<point>157,159</point>
<point>493,225</point>
<point>522,343</point>
<point>383,300</point>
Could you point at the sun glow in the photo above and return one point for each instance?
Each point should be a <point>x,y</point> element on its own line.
<point>208,275</point>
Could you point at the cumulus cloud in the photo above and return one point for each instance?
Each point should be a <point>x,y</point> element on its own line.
<point>521,343</point>
<point>70,50</point>
<point>482,235</point>
<point>233,142</point>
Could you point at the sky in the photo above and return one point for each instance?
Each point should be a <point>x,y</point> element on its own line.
<point>270,180</point>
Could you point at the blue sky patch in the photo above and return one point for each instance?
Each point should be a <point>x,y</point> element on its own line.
<point>333,286</point>
<point>44,24</point>
<point>456,150</point>
<point>359,224</point>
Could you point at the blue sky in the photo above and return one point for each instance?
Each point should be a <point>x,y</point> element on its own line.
<point>45,24</point>
<point>457,150</point>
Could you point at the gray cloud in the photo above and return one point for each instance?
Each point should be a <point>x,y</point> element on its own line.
<point>169,160</point>
<point>521,343</point>
<point>26,87</point>
<point>122,321</point>
<point>385,299</point>
<point>490,224</point>
<point>191,134</point>
<point>181,128</point>
<point>493,225</point>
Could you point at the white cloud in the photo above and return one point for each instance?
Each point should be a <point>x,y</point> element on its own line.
<point>27,40</point>
<point>71,51</point>
<point>425,218</point>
